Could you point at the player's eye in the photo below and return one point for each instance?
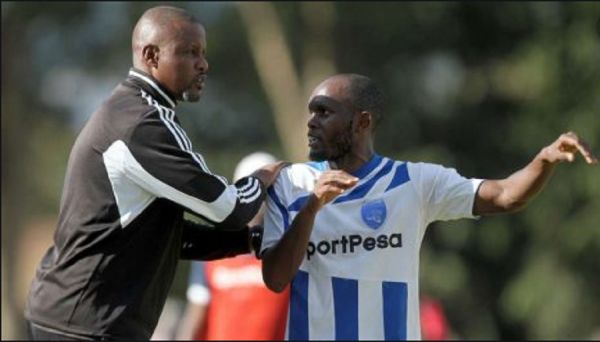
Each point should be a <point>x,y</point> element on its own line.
<point>320,111</point>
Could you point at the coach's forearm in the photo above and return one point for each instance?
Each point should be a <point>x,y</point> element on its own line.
<point>281,262</point>
<point>199,242</point>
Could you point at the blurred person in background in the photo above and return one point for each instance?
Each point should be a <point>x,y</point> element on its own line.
<point>344,231</point>
<point>434,325</point>
<point>131,175</point>
<point>227,299</point>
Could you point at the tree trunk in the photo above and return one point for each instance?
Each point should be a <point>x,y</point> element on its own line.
<point>288,93</point>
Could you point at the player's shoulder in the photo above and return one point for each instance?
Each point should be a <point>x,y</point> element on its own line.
<point>303,170</point>
<point>391,163</point>
<point>414,169</point>
<point>300,175</point>
<point>427,171</point>
<point>423,166</point>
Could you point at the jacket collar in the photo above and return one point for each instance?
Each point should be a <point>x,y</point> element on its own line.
<point>149,84</point>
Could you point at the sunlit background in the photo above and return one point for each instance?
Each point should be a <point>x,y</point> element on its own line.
<point>478,86</point>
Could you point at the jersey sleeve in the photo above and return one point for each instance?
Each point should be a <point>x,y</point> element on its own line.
<point>197,292</point>
<point>159,158</point>
<point>200,242</point>
<point>276,219</point>
<point>445,194</point>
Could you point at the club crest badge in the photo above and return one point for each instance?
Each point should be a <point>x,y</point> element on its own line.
<point>374,213</point>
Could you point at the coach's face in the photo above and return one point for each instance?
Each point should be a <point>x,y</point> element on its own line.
<point>330,122</point>
<point>182,64</point>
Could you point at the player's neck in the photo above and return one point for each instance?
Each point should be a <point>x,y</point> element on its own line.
<point>352,161</point>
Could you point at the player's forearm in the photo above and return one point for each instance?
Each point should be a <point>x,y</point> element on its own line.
<point>513,193</point>
<point>518,189</point>
<point>281,262</point>
<point>524,184</point>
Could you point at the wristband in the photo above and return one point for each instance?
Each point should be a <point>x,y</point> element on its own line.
<point>256,233</point>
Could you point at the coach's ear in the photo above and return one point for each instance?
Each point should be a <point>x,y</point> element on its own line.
<point>150,55</point>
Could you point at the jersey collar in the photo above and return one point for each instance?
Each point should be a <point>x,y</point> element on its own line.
<point>150,84</point>
<point>364,170</point>
<point>361,173</point>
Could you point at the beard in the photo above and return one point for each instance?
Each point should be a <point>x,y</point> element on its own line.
<point>190,96</point>
<point>341,147</point>
<point>193,93</point>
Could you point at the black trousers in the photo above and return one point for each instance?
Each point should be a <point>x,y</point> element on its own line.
<point>39,334</point>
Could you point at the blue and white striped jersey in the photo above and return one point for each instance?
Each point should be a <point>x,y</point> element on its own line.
<point>359,277</point>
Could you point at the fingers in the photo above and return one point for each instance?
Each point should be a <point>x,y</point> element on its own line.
<point>332,183</point>
<point>281,164</point>
<point>338,178</point>
<point>276,166</point>
<point>570,144</point>
<point>268,173</point>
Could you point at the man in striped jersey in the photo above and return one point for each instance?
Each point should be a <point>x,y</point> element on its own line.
<point>345,230</point>
<point>131,174</point>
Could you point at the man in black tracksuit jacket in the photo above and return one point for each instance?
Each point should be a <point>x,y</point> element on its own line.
<point>131,174</point>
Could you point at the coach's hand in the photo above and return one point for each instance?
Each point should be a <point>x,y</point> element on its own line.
<point>565,148</point>
<point>268,173</point>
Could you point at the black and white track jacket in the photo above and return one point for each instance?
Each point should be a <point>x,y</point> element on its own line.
<point>131,174</point>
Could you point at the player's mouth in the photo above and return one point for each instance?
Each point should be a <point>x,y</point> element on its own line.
<point>313,141</point>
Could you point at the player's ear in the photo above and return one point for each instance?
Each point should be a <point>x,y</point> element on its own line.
<point>365,121</point>
<point>150,55</point>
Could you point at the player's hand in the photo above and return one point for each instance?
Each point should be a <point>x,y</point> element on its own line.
<point>566,147</point>
<point>331,184</point>
<point>268,173</point>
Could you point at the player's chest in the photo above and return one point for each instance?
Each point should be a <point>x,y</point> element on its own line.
<point>366,227</point>
<point>386,212</point>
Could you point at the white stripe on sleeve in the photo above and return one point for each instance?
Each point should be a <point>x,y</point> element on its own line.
<point>123,163</point>
<point>168,118</point>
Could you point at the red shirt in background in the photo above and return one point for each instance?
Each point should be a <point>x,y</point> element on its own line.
<point>433,321</point>
<point>241,307</point>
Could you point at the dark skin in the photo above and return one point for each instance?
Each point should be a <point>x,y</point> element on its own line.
<point>333,119</point>
<point>171,46</point>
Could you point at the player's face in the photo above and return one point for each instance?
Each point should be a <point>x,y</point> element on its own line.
<point>182,64</point>
<point>329,125</point>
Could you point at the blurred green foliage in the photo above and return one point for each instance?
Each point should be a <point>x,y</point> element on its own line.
<point>478,86</point>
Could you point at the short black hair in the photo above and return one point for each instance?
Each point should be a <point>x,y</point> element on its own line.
<point>365,95</point>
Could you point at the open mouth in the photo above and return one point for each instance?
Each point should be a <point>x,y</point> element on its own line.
<point>200,81</point>
<point>313,141</point>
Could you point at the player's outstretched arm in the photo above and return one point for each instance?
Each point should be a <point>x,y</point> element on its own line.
<point>281,262</point>
<point>514,192</point>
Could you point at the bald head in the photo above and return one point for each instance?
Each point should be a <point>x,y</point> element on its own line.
<point>358,90</point>
<point>157,26</point>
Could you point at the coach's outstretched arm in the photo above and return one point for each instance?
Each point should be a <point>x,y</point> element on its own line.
<point>281,261</point>
<point>514,192</point>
